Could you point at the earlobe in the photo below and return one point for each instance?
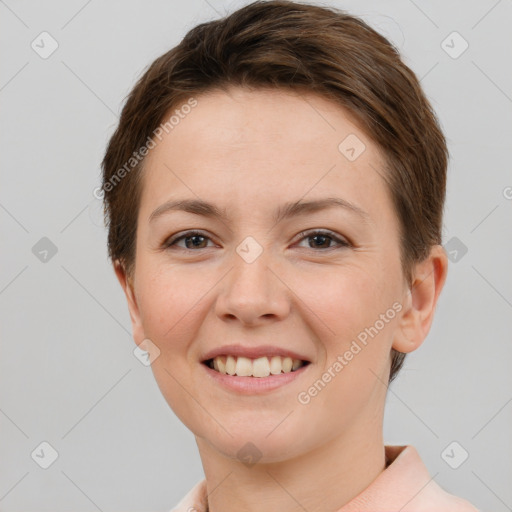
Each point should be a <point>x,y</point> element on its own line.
<point>420,300</point>
<point>128,287</point>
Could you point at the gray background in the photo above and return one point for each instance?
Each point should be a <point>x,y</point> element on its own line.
<point>67,370</point>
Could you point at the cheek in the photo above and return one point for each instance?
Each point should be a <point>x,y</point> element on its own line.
<point>167,300</point>
<point>357,356</point>
<point>346,298</point>
<point>355,306</point>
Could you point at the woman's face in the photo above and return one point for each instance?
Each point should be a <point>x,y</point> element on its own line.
<point>262,275</point>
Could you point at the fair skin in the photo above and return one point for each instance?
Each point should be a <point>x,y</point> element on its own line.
<point>248,152</point>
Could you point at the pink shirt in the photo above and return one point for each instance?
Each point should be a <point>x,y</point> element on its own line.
<point>405,486</point>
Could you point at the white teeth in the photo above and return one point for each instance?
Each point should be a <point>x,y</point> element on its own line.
<point>230,365</point>
<point>221,365</point>
<point>296,364</point>
<point>287,364</point>
<point>275,365</point>
<point>260,367</point>
<point>243,367</point>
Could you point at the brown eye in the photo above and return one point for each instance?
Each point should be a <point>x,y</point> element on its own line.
<point>323,240</point>
<point>193,240</point>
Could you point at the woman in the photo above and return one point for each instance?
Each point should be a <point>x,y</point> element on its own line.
<point>274,193</point>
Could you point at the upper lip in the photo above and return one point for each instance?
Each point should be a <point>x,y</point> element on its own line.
<point>252,352</point>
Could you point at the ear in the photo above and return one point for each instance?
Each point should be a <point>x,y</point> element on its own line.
<point>128,288</point>
<point>420,300</point>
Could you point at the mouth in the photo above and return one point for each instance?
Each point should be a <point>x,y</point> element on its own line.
<point>260,367</point>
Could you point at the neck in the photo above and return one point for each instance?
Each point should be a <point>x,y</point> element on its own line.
<point>324,478</point>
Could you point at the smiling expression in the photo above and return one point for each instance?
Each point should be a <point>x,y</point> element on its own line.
<point>260,173</point>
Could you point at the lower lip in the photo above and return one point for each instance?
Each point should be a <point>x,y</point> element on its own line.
<point>254,385</point>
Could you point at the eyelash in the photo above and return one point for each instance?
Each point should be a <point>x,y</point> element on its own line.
<point>170,243</point>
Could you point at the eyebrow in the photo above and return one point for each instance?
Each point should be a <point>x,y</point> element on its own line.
<point>286,211</point>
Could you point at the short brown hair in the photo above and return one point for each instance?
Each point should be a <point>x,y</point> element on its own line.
<point>285,44</point>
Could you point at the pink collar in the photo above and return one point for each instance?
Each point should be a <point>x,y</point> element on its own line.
<point>405,486</point>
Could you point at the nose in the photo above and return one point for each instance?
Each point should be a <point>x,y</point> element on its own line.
<point>253,293</point>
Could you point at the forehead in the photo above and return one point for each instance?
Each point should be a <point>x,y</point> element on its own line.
<point>271,118</point>
<point>254,146</point>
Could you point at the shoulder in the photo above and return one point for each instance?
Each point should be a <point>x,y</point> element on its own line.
<point>406,486</point>
<point>442,501</point>
<point>194,501</point>
<point>411,473</point>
